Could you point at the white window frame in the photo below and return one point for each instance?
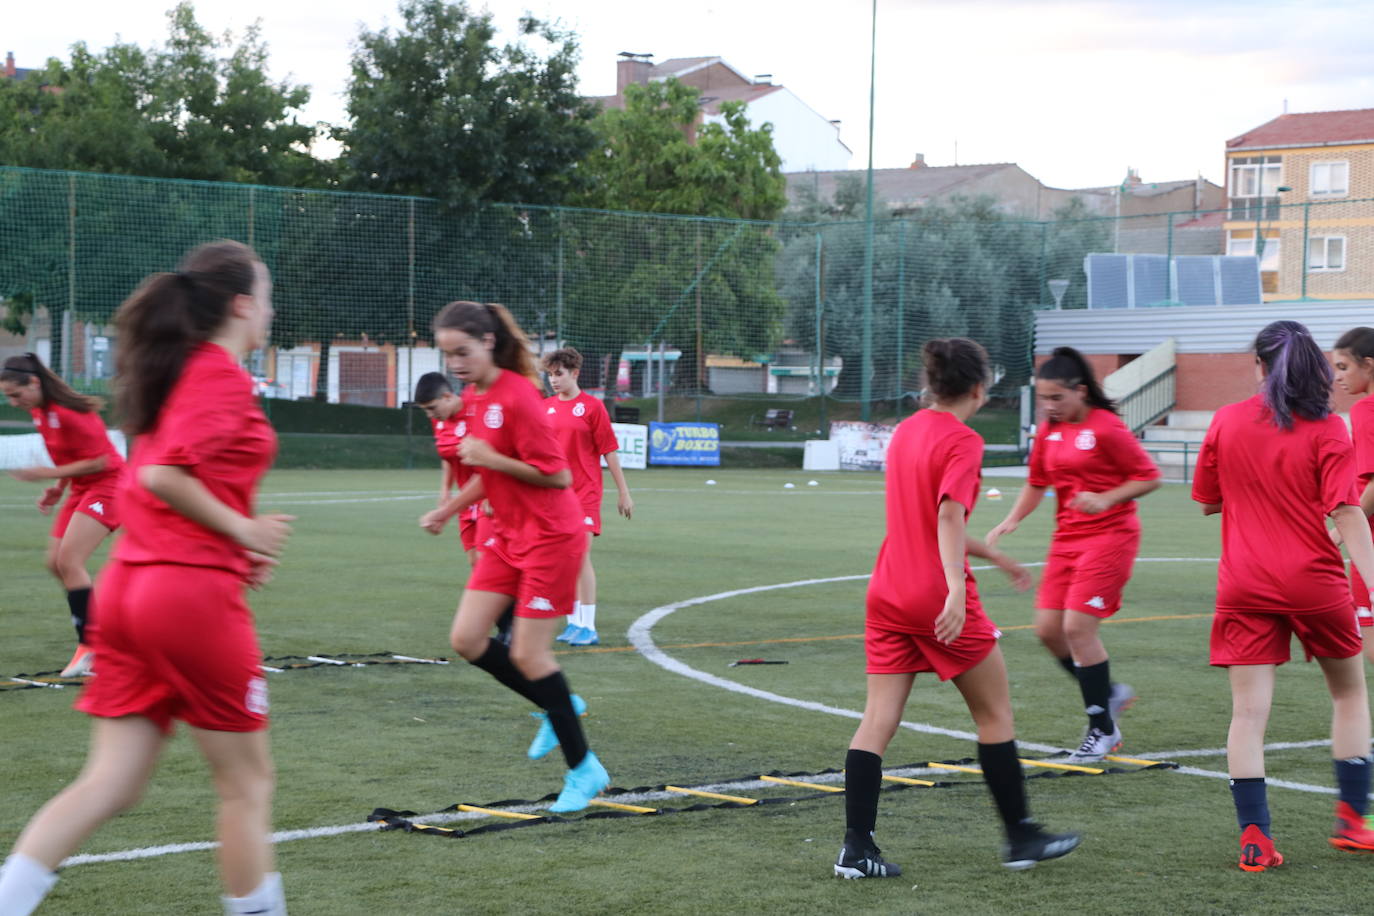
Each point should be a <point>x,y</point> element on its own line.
<point>1330,166</point>
<point>1324,267</point>
<point>1273,251</point>
<point>1272,181</point>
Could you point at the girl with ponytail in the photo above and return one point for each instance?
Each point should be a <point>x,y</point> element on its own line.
<point>84,459</point>
<point>1276,467</point>
<point>535,549</point>
<point>1353,360</point>
<point>923,614</point>
<point>174,635</point>
<point>1098,469</point>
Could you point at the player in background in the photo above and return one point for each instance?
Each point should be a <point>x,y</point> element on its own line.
<point>173,633</point>
<point>1353,360</point>
<point>584,431</point>
<point>923,614</point>
<point>1275,467</point>
<point>85,459</point>
<point>436,397</point>
<point>537,539</point>
<point>1098,469</point>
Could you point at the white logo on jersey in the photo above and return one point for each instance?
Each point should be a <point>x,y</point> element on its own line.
<point>255,701</point>
<point>493,417</point>
<point>98,508</point>
<point>551,410</point>
<point>540,604</point>
<point>1097,602</point>
<point>461,429</point>
<point>579,410</point>
<point>439,426</point>
<point>1085,441</point>
<point>53,420</point>
<point>589,521</point>
<point>37,422</point>
<point>489,542</point>
<point>1054,437</point>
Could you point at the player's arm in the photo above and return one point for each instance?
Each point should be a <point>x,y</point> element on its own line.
<point>1211,508</point>
<point>472,492</point>
<point>1020,576</point>
<point>1095,503</point>
<point>1026,502</point>
<point>63,472</point>
<point>950,533</point>
<point>1353,526</point>
<point>479,453</point>
<point>1367,499</point>
<point>185,495</point>
<point>624,504</point>
<point>445,481</point>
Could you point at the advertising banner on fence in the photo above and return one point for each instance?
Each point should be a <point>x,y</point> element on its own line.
<point>863,446</point>
<point>634,445</point>
<point>684,443</point>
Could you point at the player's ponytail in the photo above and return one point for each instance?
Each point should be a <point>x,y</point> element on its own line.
<point>1297,377</point>
<point>953,366</point>
<point>21,370</point>
<point>511,349</point>
<point>1358,342</point>
<point>167,316</point>
<point>1070,368</point>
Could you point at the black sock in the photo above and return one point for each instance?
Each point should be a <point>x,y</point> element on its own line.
<point>1067,663</point>
<point>1006,782</point>
<point>1095,681</point>
<point>554,697</point>
<point>863,778</point>
<point>504,624</point>
<point>79,600</point>
<point>496,662</point>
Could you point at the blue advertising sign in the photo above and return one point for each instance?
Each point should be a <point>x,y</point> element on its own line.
<point>684,443</point>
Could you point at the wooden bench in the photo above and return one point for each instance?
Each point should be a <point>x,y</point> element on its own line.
<point>773,418</point>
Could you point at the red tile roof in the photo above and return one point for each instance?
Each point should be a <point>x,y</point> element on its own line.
<point>711,98</point>
<point>1313,128</point>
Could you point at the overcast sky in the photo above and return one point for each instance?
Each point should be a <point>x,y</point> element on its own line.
<point>1074,91</point>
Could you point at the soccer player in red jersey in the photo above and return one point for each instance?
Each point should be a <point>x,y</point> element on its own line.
<point>923,614</point>
<point>84,457</point>
<point>537,540</point>
<point>584,431</point>
<point>1098,469</point>
<point>173,633</point>
<point>1276,467</point>
<point>1353,360</point>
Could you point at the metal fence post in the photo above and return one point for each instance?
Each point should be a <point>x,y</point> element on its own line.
<point>1304,253</point>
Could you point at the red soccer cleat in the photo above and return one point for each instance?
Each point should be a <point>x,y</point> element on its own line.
<point>1257,851</point>
<point>1351,833</point>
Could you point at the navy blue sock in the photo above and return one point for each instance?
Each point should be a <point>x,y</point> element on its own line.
<point>1352,781</point>
<point>1252,802</point>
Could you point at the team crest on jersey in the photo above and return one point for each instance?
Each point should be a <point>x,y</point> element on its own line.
<point>551,409</point>
<point>1085,441</point>
<point>579,410</point>
<point>461,429</point>
<point>255,701</point>
<point>53,420</point>
<point>493,417</point>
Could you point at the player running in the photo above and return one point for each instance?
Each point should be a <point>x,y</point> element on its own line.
<point>85,459</point>
<point>537,538</point>
<point>173,633</point>
<point>1276,466</point>
<point>1353,360</point>
<point>1098,469</point>
<point>923,614</point>
<point>584,431</point>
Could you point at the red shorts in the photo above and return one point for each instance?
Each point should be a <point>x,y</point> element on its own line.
<point>467,530</point>
<point>1360,592</point>
<point>544,585</point>
<point>897,652</point>
<point>175,642</point>
<point>98,502</point>
<point>1257,638</point>
<point>591,517</point>
<point>1087,573</point>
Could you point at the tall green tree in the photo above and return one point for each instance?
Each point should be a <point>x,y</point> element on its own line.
<point>438,109</point>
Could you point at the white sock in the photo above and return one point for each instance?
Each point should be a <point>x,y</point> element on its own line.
<point>589,616</point>
<point>24,882</point>
<point>575,618</point>
<point>267,900</point>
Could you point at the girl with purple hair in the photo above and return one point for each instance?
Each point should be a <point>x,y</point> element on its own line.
<point>1275,467</point>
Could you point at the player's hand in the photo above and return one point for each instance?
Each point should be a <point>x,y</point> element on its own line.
<point>50,497</point>
<point>486,509</point>
<point>1020,576</point>
<point>30,475</point>
<point>1090,503</point>
<point>950,623</point>
<point>260,569</point>
<point>1006,526</point>
<point>265,534</point>
<point>476,452</point>
<point>625,505</point>
<point>433,521</point>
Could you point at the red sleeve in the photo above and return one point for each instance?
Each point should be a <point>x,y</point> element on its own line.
<point>83,434</point>
<point>1206,481</point>
<point>535,441</point>
<point>963,472</point>
<point>1130,456</point>
<point>1362,424</point>
<point>1036,476</point>
<point>1336,467</point>
<point>603,437</point>
<point>203,416</point>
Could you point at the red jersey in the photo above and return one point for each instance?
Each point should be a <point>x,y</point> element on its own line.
<point>70,435</point>
<point>583,429</point>
<point>448,434</point>
<point>932,457</point>
<point>1094,456</point>
<point>213,426</point>
<point>511,417</point>
<point>1276,488</point>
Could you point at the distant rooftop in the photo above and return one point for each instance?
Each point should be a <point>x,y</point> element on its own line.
<point>1313,128</point>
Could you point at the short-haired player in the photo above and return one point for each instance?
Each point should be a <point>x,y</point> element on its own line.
<point>1353,360</point>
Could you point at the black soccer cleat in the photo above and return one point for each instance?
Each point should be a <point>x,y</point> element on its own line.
<point>1035,845</point>
<point>864,861</point>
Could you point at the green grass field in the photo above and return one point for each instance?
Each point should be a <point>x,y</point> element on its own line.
<point>361,577</point>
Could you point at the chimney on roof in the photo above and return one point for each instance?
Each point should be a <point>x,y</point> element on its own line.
<point>631,69</point>
<point>1132,177</point>
<point>10,69</point>
<point>919,162</point>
